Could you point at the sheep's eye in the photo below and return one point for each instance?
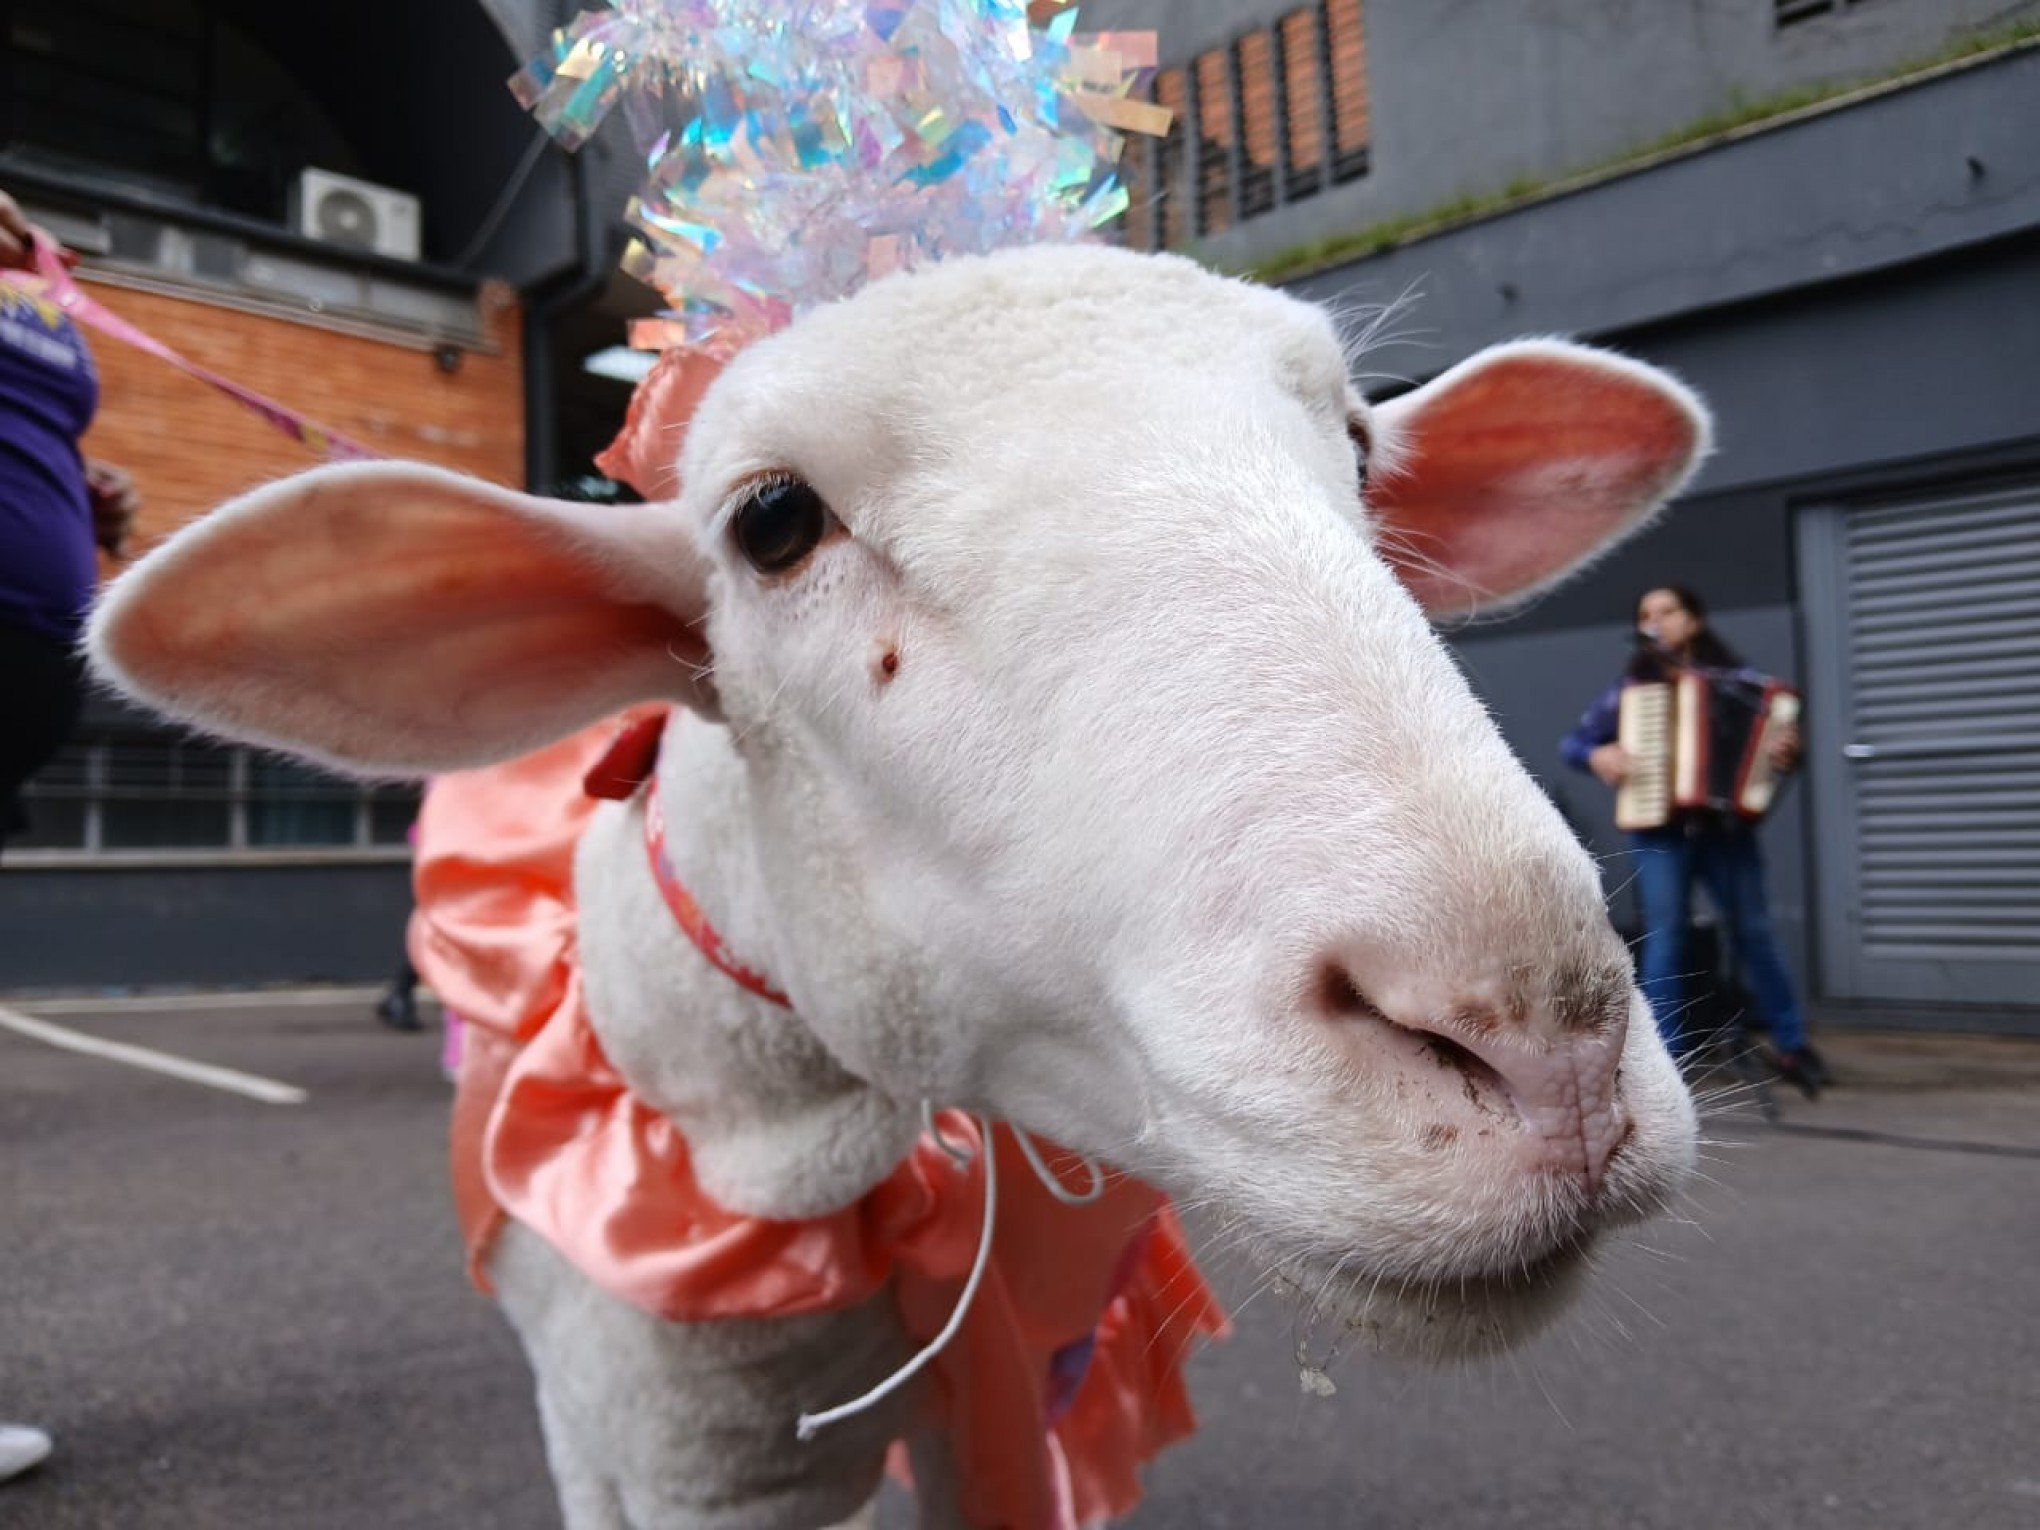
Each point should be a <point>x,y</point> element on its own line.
<point>1363,448</point>
<point>779,523</point>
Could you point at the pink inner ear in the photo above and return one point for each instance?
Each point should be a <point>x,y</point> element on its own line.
<point>393,622</point>
<point>1515,469</point>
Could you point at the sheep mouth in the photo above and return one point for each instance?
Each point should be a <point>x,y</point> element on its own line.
<point>1445,1316</point>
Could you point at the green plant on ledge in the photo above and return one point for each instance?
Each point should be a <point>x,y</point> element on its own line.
<point>1738,117</point>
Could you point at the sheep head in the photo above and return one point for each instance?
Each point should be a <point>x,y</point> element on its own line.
<point>1068,612</point>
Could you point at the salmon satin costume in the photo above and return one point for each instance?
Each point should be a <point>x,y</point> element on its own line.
<point>1066,1375</point>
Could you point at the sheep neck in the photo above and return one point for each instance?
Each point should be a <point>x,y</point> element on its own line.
<point>776,1125</point>
<point>687,912</point>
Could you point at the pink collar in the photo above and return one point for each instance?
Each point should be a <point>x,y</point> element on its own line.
<point>626,766</point>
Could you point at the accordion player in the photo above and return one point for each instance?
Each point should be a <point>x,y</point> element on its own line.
<point>1702,739</point>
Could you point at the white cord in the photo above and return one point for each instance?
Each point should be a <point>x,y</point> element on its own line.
<point>1053,1185</point>
<point>960,1153</point>
<point>808,1425</point>
<point>811,1424</point>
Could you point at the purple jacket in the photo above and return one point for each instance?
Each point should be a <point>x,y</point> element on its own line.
<point>1597,726</point>
<point>49,390</point>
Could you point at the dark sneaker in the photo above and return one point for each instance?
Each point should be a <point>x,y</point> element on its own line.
<point>1802,1069</point>
<point>1814,1064</point>
<point>399,1011</point>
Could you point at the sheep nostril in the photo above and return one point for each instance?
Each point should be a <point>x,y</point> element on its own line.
<point>1338,996</point>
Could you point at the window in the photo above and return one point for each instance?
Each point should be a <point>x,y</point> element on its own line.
<point>1173,205</point>
<point>133,788</point>
<point>1254,74</point>
<point>117,84</point>
<point>1279,113</point>
<point>1302,110</point>
<point>1346,63</point>
<point>1214,143</point>
<point>1140,172</point>
<point>157,793</point>
<point>163,92</point>
<point>1137,174</point>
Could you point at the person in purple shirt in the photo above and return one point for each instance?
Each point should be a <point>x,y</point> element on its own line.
<point>1718,848</point>
<point>56,506</point>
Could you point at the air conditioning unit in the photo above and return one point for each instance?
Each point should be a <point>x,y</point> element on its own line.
<point>358,214</point>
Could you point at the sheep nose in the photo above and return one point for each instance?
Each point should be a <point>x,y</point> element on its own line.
<point>1556,1072</point>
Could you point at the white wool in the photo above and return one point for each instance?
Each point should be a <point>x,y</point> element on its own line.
<point>1169,757</point>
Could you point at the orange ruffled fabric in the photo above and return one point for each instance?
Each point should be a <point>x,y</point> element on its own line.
<point>1067,1374</point>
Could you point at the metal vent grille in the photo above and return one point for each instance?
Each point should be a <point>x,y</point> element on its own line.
<point>1944,676</point>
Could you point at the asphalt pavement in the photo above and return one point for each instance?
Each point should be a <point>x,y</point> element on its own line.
<point>250,1312</point>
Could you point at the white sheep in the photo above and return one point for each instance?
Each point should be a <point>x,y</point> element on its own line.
<point>1072,744</point>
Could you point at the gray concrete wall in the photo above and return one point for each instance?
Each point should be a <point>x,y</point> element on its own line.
<point>537,236</point>
<point>106,928</point>
<point>527,25</point>
<point>1905,380</point>
<point>1470,96</point>
<point>1909,176</point>
<point>616,172</point>
<point>1859,320</point>
<point>1853,293</point>
<point>1913,374</point>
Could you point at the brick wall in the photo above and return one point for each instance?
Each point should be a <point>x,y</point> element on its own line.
<point>189,446</point>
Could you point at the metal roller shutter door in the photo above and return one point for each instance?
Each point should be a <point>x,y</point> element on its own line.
<point>1927,747</point>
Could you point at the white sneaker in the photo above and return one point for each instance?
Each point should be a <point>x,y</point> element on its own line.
<point>20,1448</point>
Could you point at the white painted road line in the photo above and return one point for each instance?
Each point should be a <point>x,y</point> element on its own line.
<point>267,1090</point>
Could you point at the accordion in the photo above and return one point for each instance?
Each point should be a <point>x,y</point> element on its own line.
<point>1702,740</point>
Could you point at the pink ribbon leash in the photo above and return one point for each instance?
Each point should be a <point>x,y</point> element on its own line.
<point>63,290</point>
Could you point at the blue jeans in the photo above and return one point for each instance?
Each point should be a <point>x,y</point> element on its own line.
<point>1727,859</point>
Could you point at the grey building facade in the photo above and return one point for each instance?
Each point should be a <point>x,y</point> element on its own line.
<point>1826,217</point>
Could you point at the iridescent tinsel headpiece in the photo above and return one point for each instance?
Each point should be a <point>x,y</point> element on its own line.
<point>796,149</point>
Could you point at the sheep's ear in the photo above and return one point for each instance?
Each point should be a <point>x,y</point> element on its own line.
<point>1519,465</point>
<point>394,618</point>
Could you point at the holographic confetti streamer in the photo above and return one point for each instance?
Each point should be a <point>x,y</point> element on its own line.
<point>796,149</point>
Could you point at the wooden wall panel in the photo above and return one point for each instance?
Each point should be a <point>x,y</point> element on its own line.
<point>189,446</point>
